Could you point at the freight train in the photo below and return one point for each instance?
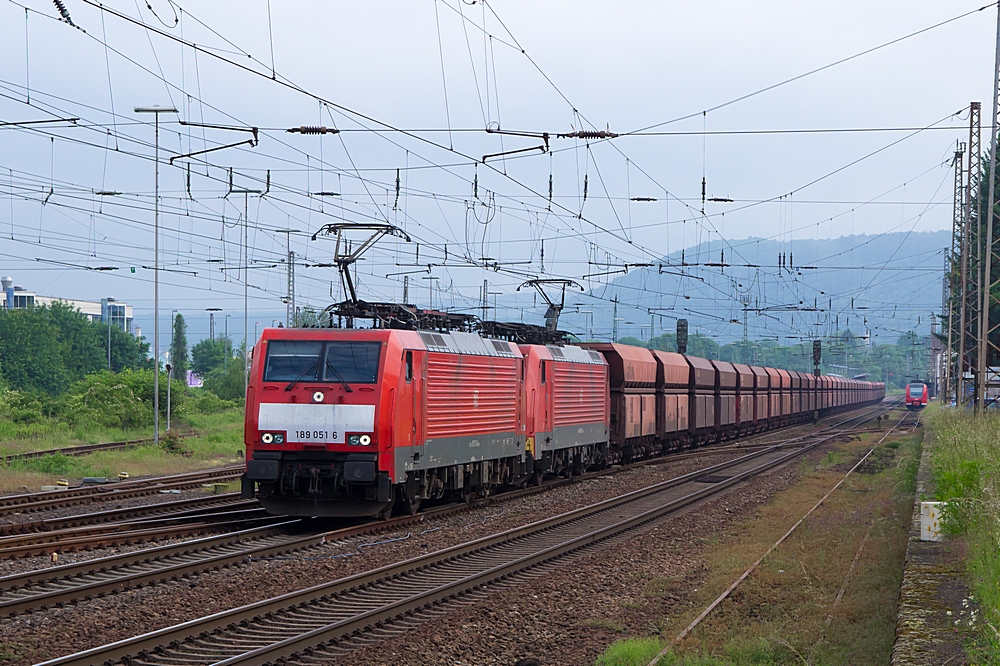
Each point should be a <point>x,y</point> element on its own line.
<point>361,422</point>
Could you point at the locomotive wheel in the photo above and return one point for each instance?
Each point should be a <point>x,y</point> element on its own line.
<point>408,506</point>
<point>465,495</point>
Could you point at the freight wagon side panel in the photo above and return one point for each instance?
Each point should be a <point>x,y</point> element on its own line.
<point>775,394</point>
<point>786,392</point>
<point>726,378</point>
<point>744,403</point>
<point>648,427</point>
<point>761,400</point>
<point>672,379</point>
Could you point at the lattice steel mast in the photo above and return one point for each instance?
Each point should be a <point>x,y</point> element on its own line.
<point>987,323</point>
<point>953,285</point>
<point>968,314</point>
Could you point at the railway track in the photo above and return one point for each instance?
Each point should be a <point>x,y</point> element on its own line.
<point>62,585</point>
<point>83,449</point>
<point>322,622</point>
<point>174,508</point>
<point>29,502</point>
<point>132,532</point>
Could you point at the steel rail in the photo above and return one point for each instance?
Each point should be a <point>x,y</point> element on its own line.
<point>490,547</point>
<point>191,506</point>
<point>82,494</point>
<point>129,533</point>
<point>84,449</point>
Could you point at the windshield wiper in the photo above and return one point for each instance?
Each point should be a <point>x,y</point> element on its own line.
<point>347,387</point>
<point>302,374</point>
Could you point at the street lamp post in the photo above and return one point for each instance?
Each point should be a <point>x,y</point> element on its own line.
<point>227,324</point>
<point>108,312</point>
<point>156,111</point>
<point>169,368</point>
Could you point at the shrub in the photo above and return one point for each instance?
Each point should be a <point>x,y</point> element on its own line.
<point>206,402</point>
<point>227,381</point>
<point>106,400</point>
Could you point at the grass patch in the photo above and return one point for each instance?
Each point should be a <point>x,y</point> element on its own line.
<point>630,652</point>
<point>218,440</point>
<point>967,470</point>
<point>780,614</point>
<point>739,652</point>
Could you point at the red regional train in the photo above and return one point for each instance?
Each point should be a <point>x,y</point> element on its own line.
<point>355,422</point>
<point>916,396</point>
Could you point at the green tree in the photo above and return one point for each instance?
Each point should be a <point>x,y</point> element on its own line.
<point>30,357</point>
<point>179,347</point>
<point>210,354</point>
<point>46,349</point>
<point>227,380</point>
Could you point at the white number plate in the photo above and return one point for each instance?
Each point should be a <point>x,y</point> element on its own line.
<point>313,436</point>
<point>321,424</point>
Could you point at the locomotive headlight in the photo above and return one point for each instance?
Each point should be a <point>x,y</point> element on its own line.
<point>272,438</point>
<point>318,396</point>
<point>358,439</point>
<point>365,440</point>
<point>267,438</point>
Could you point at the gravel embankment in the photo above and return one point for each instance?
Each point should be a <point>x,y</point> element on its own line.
<point>570,616</point>
<point>93,623</point>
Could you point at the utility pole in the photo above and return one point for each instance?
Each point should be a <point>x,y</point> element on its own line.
<point>486,300</point>
<point>290,293</point>
<point>211,321</point>
<point>406,289</point>
<point>970,302</point>
<point>745,299</point>
<point>245,267</point>
<point>614,321</point>
<point>156,111</point>
<point>986,323</point>
<point>953,284</point>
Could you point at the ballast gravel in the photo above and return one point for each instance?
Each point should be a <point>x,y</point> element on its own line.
<point>531,621</point>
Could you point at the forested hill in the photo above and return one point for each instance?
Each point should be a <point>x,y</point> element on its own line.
<point>884,284</point>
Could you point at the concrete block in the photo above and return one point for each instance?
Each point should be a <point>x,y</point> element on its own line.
<point>930,520</point>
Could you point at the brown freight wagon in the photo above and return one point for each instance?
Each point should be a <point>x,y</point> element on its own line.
<point>701,392</point>
<point>762,400</point>
<point>632,388</point>
<point>673,376</point>
<point>744,398</point>
<point>725,395</point>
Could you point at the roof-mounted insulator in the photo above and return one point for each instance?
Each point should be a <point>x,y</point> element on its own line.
<point>587,134</point>
<point>65,13</point>
<point>313,129</point>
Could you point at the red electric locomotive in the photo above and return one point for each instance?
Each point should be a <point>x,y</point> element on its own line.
<point>344,422</point>
<point>916,396</point>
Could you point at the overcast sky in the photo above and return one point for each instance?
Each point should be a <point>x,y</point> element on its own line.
<point>518,66</point>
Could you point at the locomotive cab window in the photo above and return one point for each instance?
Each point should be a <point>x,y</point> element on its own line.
<point>288,360</point>
<point>409,366</point>
<point>350,362</point>
<point>543,371</point>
